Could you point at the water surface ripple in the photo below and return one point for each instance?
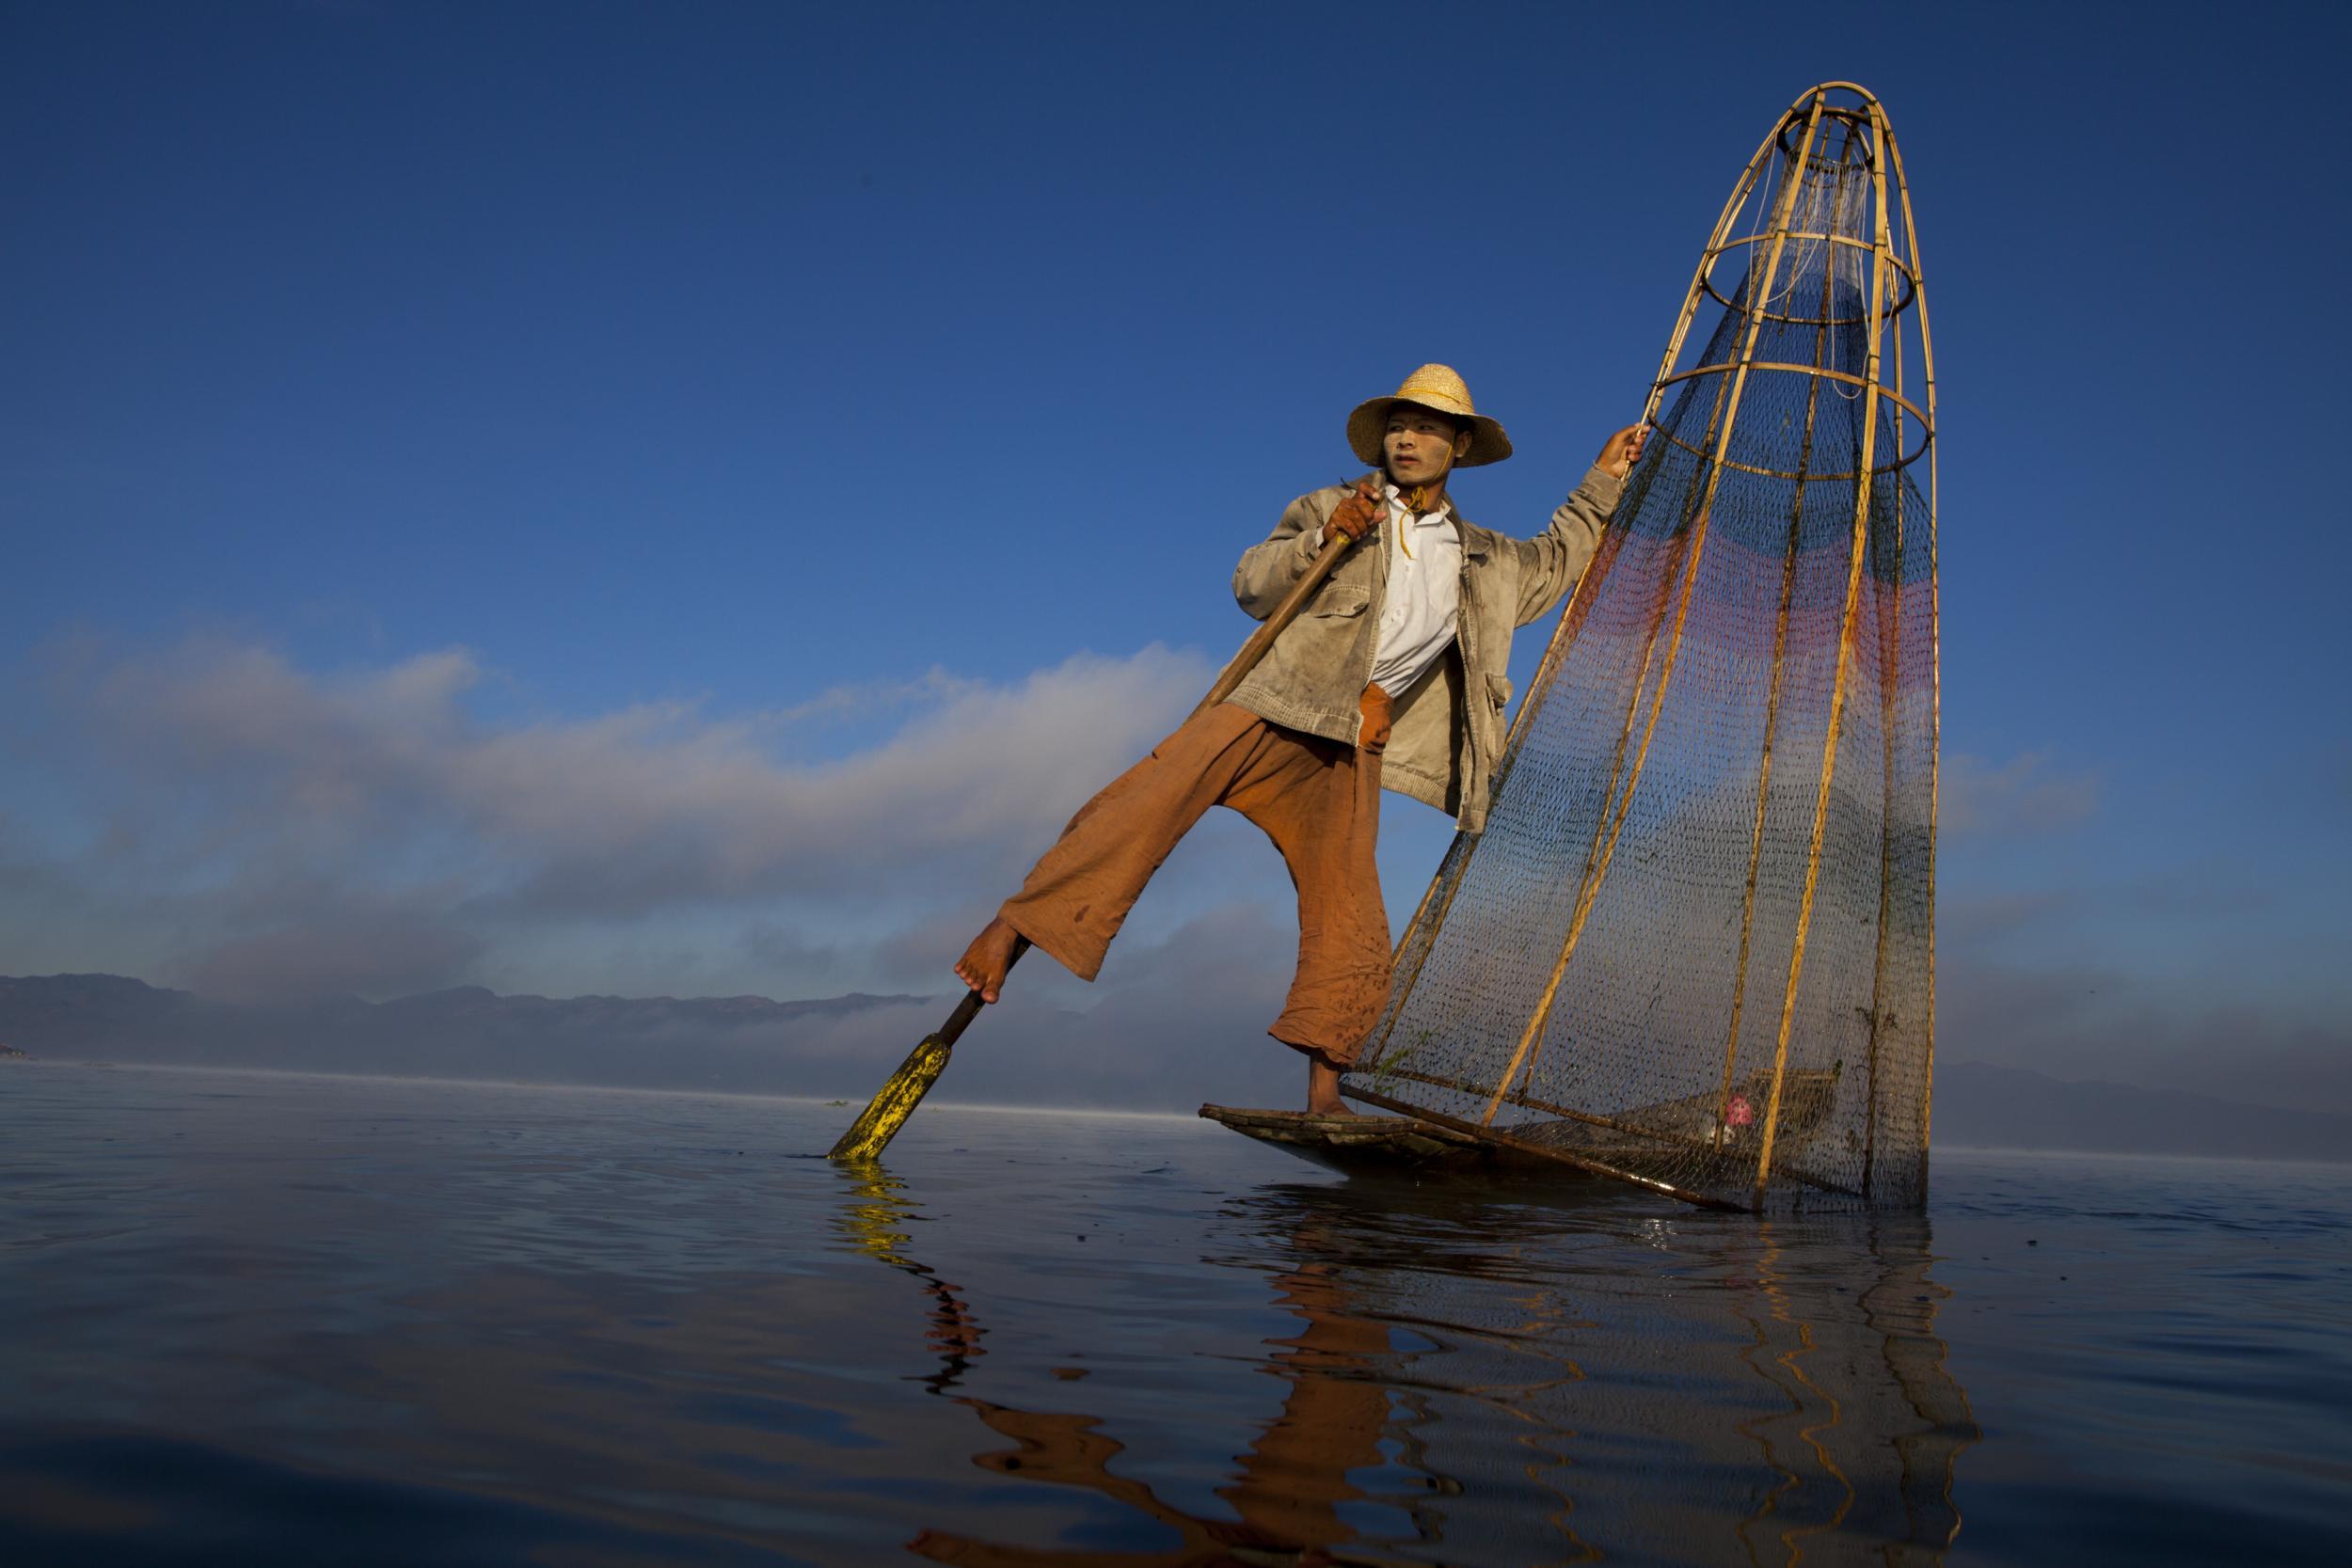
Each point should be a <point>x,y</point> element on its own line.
<point>270,1319</point>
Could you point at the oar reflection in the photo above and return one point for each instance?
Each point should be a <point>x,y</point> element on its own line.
<point>1291,1482</point>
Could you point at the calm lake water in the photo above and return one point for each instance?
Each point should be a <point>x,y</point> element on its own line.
<point>256,1319</point>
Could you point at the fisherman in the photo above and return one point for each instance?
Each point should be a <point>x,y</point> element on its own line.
<point>1394,676</point>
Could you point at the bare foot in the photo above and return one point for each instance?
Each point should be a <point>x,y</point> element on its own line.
<point>984,963</point>
<point>1322,1090</point>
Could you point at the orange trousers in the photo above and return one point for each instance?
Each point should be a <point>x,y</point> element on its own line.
<point>1318,800</point>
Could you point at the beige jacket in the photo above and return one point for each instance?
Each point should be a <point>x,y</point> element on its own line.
<point>1449,725</point>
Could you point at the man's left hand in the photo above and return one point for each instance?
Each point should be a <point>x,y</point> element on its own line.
<point>1622,450</point>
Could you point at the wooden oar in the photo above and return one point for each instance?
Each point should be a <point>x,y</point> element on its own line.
<point>895,1100</point>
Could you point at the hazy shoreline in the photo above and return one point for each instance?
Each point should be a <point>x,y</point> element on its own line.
<point>938,1104</point>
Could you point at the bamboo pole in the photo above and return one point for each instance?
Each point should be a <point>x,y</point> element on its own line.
<point>1531,1102</point>
<point>1575,1161</point>
<point>1625,735</point>
<point>1864,493</point>
<point>1731,416</point>
<point>1678,1140</point>
<point>1935,658</point>
<point>1772,710</point>
<point>1563,635</point>
<point>1451,876</point>
<point>1565,632</point>
<point>1890,655</point>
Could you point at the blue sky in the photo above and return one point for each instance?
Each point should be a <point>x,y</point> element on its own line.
<point>683,499</point>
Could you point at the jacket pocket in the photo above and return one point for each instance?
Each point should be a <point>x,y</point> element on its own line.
<point>1335,600</point>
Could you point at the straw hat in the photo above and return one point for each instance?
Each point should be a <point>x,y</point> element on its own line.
<point>1430,387</point>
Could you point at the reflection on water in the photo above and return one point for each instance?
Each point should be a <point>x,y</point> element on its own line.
<point>299,1321</point>
<point>1803,1399</point>
<point>870,1221</point>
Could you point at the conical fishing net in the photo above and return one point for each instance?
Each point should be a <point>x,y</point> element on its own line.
<point>1695,944</point>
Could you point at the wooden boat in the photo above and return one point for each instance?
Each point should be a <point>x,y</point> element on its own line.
<point>1358,1145</point>
<point>1638,1144</point>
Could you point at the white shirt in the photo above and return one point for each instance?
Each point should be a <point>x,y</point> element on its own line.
<point>1423,605</point>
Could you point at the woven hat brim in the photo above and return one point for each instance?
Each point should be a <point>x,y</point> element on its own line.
<point>1370,422</point>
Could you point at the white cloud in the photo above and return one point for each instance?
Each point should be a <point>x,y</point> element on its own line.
<point>624,812</point>
<point>264,811</point>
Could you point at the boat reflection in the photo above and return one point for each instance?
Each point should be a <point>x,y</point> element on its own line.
<point>1472,1381</point>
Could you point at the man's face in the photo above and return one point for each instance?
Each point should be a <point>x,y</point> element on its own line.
<point>1420,445</point>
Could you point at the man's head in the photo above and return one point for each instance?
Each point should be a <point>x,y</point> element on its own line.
<point>1420,446</point>
<point>1428,426</point>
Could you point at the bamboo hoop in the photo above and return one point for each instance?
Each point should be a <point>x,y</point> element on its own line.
<point>1815,373</point>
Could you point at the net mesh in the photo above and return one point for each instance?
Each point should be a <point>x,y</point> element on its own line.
<point>1695,944</point>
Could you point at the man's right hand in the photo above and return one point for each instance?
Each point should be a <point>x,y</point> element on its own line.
<point>1358,514</point>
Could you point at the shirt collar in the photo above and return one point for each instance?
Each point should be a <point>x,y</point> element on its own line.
<point>1428,520</point>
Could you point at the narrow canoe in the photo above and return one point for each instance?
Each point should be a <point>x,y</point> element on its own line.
<point>1357,1143</point>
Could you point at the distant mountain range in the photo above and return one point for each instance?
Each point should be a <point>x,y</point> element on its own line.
<point>752,1044</point>
<point>741,1043</point>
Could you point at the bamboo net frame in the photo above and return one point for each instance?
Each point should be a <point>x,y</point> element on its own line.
<point>1720,791</point>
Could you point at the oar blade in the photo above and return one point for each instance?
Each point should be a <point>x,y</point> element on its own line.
<point>894,1102</point>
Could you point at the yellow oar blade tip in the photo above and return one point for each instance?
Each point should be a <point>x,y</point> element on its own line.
<point>893,1102</point>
